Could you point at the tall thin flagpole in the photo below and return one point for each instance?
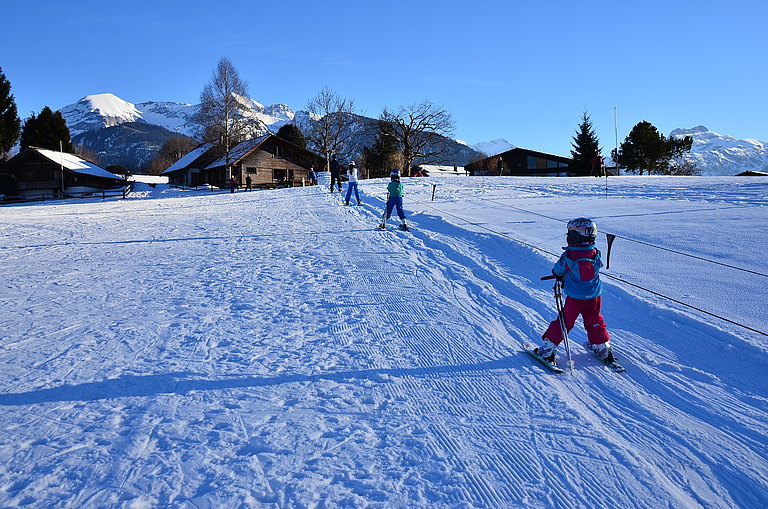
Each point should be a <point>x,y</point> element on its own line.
<point>61,154</point>
<point>616,128</point>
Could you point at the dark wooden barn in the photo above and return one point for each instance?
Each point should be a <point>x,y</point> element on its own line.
<point>523,163</point>
<point>189,170</point>
<point>42,173</point>
<point>268,160</point>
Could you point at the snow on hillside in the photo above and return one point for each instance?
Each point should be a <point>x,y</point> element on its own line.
<point>98,111</point>
<point>273,117</point>
<point>274,349</point>
<point>173,116</point>
<point>716,154</point>
<point>493,147</point>
<point>95,112</point>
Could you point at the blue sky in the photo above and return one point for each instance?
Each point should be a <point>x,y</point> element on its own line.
<point>523,71</point>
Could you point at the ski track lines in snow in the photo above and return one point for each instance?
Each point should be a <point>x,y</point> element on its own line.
<point>275,349</point>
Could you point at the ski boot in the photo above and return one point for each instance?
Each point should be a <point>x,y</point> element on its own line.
<point>605,352</point>
<point>547,351</point>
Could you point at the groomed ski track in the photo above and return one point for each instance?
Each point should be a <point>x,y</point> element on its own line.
<point>276,349</point>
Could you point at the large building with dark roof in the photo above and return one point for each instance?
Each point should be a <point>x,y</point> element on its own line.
<point>523,163</point>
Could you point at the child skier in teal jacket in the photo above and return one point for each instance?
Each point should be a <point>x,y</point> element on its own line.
<point>394,199</point>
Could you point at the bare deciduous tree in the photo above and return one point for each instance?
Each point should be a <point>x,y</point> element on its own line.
<point>172,150</point>
<point>329,126</point>
<point>422,132</point>
<point>223,106</point>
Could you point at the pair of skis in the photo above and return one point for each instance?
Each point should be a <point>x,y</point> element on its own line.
<point>558,291</point>
<point>531,349</point>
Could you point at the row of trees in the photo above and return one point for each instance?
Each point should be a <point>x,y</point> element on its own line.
<point>645,150</point>
<point>48,129</point>
<point>410,134</point>
<point>10,125</point>
<point>402,137</point>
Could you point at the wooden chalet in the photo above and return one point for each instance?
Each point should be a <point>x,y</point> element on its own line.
<point>188,171</point>
<point>269,161</point>
<point>523,163</point>
<point>42,173</point>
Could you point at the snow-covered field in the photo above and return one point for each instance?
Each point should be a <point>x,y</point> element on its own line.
<point>274,349</point>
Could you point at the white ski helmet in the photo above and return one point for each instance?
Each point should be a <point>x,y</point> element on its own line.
<point>581,229</point>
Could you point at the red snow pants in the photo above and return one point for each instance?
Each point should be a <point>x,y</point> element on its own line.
<point>597,332</point>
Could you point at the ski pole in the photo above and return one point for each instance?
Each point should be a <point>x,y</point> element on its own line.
<point>558,288</point>
<point>384,215</point>
<point>558,291</point>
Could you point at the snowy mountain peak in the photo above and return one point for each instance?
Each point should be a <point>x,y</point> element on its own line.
<point>109,105</point>
<point>94,112</point>
<point>716,154</point>
<point>98,111</point>
<point>173,116</point>
<point>493,147</point>
<point>679,133</point>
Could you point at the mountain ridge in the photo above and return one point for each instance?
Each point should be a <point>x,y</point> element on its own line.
<point>713,153</point>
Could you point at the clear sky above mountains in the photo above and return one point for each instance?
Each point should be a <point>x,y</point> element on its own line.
<point>524,71</point>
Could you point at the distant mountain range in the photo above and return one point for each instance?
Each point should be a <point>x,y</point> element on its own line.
<point>716,154</point>
<point>493,147</point>
<point>120,132</point>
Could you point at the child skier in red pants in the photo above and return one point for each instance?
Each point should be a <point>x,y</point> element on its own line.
<point>579,268</point>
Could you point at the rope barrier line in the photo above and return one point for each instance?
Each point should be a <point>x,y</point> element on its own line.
<point>616,278</point>
<point>638,241</point>
<point>687,305</point>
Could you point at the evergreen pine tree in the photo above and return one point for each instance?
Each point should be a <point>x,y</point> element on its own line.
<point>586,148</point>
<point>644,149</point>
<point>292,134</point>
<point>10,125</point>
<point>383,155</point>
<point>46,130</point>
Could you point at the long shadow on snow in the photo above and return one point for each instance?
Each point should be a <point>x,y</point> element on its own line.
<point>510,268</point>
<point>185,382</point>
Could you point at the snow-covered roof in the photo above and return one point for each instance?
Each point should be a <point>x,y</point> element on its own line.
<point>148,179</point>
<point>189,157</point>
<point>75,164</point>
<point>239,151</point>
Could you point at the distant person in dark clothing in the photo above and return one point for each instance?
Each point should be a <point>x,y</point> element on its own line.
<point>248,182</point>
<point>232,184</point>
<point>597,162</point>
<point>335,173</point>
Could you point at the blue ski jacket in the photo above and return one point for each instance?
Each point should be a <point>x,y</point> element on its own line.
<point>580,268</point>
